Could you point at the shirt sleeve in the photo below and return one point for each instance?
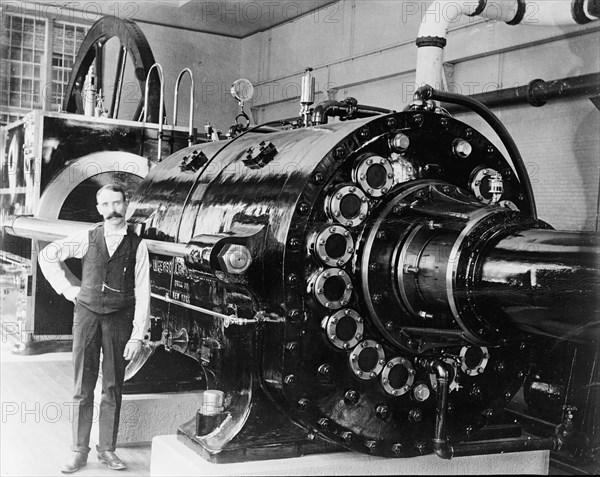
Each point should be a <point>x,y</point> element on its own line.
<point>52,257</point>
<point>141,317</point>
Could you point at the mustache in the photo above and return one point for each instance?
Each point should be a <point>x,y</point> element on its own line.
<point>114,215</point>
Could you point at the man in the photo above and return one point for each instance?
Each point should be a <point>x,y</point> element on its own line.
<point>111,314</point>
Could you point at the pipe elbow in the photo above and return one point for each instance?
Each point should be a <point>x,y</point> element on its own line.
<point>321,111</point>
<point>440,369</point>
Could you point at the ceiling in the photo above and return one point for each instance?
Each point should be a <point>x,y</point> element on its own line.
<point>233,18</point>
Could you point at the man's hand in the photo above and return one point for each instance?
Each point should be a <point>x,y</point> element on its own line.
<point>71,293</point>
<point>132,348</point>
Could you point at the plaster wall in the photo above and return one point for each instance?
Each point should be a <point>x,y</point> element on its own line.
<point>366,49</point>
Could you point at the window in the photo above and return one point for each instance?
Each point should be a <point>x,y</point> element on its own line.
<point>23,60</point>
<point>65,44</point>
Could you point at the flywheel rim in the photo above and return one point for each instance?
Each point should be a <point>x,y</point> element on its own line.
<point>134,40</point>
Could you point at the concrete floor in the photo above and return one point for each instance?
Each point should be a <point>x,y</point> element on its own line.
<point>35,435</point>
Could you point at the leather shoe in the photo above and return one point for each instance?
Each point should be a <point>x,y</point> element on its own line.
<point>77,461</point>
<point>111,460</point>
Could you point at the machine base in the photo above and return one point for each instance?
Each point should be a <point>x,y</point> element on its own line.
<point>260,439</point>
<point>171,458</point>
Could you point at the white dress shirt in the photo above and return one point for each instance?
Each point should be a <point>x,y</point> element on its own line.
<point>51,260</point>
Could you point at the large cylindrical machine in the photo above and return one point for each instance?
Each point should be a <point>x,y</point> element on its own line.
<point>367,252</point>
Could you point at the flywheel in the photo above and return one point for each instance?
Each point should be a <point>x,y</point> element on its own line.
<point>134,49</point>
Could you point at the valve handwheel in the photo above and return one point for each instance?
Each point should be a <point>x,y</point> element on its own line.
<point>133,48</point>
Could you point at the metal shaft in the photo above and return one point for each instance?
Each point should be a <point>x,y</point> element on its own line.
<point>546,281</point>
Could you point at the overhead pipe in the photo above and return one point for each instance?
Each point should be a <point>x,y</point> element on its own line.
<point>442,13</point>
<point>538,92</point>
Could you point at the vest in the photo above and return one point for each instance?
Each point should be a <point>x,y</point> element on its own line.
<point>108,283</point>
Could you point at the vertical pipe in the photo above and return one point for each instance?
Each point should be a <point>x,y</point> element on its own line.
<point>441,14</point>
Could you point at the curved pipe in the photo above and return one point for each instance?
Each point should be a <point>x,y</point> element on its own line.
<point>176,99</point>
<point>347,109</point>
<point>442,446</point>
<point>427,92</point>
<point>440,370</point>
<point>442,13</point>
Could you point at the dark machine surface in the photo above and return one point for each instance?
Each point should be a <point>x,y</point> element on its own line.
<point>380,249</point>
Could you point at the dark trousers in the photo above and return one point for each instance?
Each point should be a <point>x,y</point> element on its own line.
<point>93,332</point>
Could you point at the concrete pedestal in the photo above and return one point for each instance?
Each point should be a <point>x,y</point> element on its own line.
<point>144,416</point>
<point>172,458</point>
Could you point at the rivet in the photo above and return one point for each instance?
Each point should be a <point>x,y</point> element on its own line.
<point>292,347</point>
<point>415,415</point>
<point>325,369</point>
<point>319,178</point>
<point>351,396</point>
<point>303,404</point>
<point>290,380</point>
<point>303,208</point>
<point>382,411</point>
<point>294,315</point>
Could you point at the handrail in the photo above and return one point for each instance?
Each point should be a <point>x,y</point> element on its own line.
<point>161,106</point>
<point>175,103</point>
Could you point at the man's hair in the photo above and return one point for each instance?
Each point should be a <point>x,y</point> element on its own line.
<point>115,188</point>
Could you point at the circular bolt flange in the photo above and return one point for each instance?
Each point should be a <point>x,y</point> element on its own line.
<point>473,359</point>
<point>484,184</point>
<point>344,328</point>
<point>398,376</point>
<point>348,205</point>
<point>374,174</point>
<point>367,360</point>
<point>332,288</point>
<point>333,246</point>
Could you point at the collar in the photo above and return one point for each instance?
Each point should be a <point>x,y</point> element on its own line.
<point>120,232</point>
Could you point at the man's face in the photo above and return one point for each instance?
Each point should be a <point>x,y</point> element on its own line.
<point>112,207</point>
